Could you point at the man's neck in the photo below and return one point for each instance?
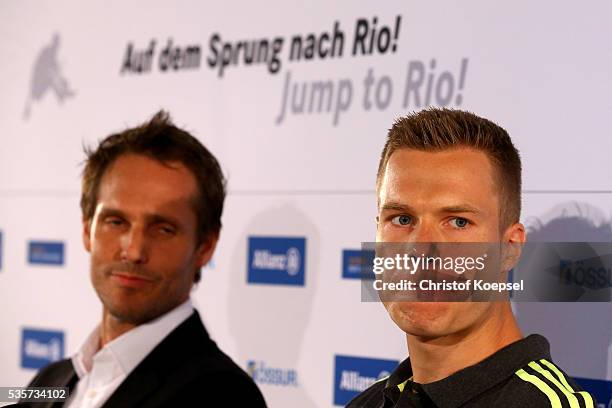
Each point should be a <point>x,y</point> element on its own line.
<point>111,328</point>
<point>436,359</point>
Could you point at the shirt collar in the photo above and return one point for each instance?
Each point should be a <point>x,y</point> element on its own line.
<point>397,381</point>
<point>129,349</point>
<point>462,386</point>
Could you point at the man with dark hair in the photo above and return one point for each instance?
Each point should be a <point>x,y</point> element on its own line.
<point>451,176</point>
<point>152,198</point>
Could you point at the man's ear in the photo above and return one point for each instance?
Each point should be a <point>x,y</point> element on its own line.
<point>515,234</point>
<point>87,235</point>
<point>513,240</point>
<point>206,249</point>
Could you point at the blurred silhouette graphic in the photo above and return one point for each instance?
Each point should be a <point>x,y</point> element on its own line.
<point>47,77</point>
<point>580,333</point>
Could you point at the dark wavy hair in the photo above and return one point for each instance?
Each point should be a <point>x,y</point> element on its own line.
<point>161,140</point>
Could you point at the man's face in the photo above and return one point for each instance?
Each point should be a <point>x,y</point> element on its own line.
<point>142,238</point>
<point>444,196</point>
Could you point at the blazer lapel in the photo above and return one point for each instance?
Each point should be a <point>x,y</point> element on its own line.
<point>68,380</point>
<point>171,363</point>
<point>137,386</point>
<point>62,375</point>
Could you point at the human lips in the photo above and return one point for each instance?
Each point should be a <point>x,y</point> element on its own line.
<point>131,280</point>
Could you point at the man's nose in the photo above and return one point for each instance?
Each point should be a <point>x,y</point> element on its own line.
<point>134,246</point>
<point>425,237</point>
<point>426,231</point>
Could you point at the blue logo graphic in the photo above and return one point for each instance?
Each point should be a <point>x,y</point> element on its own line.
<point>41,347</point>
<point>357,264</point>
<point>262,374</point>
<point>46,253</point>
<point>355,374</point>
<point>600,389</point>
<point>277,260</point>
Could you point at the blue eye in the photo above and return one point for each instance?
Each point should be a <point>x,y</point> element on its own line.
<point>459,222</point>
<point>402,220</point>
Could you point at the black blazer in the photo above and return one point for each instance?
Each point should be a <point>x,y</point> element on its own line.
<point>185,369</point>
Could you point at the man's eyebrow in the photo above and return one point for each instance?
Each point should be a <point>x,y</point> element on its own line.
<point>461,208</point>
<point>151,218</point>
<point>453,209</point>
<point>158,218</point>
<point>111,212</point>
<point>395,206</point>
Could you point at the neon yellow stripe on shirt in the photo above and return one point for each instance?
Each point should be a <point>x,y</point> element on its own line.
<point>555,402</point>
<point>588,400</point>
<point>559,374</point>
<point>571,398</point>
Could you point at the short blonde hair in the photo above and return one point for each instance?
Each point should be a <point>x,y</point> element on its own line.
<point>442,129</point>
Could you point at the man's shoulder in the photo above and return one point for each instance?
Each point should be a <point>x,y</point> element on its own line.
<point>370,397</point>
<point>540,383</point>
<point>230,384</point>
<point>190,343</point>
<point>215,373</point>
<point>220,364</point>
<point>188,352</point>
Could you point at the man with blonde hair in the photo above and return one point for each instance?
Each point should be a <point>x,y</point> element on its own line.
<point>451,176</point>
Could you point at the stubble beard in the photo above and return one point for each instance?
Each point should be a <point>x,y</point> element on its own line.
<point>116,300</point>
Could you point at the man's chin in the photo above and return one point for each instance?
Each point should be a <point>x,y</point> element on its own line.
<point>131,314</point>
<point>417,318</point>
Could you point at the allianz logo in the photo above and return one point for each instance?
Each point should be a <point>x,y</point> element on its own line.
<point>49,351</point>
<point>42,255</point>
<point>265,259</point>
<point>352,380</point>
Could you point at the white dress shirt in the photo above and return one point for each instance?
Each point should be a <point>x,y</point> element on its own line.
<point>101,371</point>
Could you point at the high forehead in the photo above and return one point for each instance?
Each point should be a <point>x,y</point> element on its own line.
<point>458,158</point>
<point>137,174</point>
<point>460,171</point>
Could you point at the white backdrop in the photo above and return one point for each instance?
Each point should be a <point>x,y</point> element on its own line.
<point>539,69</point>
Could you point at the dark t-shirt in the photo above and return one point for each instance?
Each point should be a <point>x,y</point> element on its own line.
<point>519,375</point>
